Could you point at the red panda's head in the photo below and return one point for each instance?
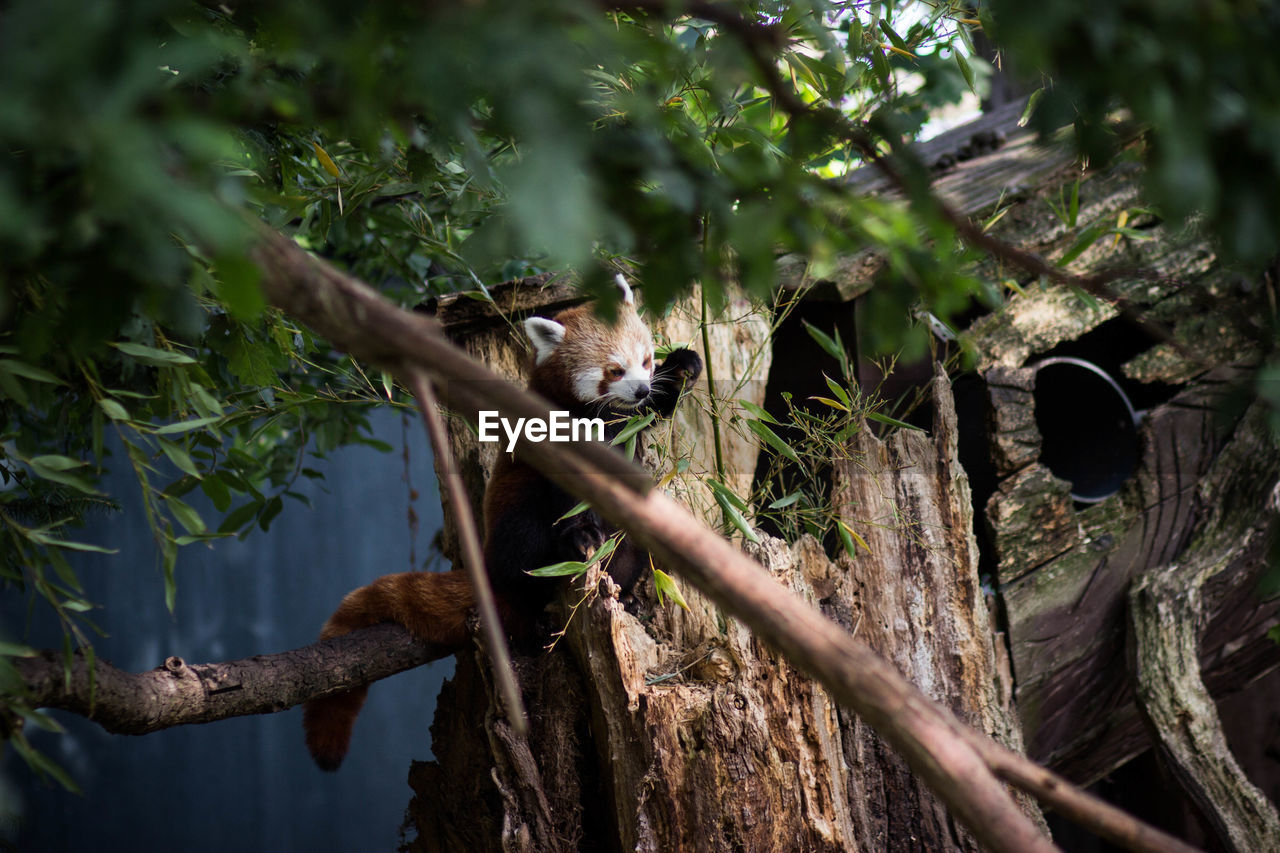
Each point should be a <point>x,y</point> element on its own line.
<point>580,358</point>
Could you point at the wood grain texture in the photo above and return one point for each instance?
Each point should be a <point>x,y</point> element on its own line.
<point>915,598</point>
<point>179,693</point>
<point>1169,608</point>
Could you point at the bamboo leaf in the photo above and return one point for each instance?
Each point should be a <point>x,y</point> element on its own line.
<point>827,401</point>
<point>185,426</point>
<point>839,391</point>
<point>57,469</point>
<point>784,502</point>
<point>113,409</point>
<point>825,341</point>
<point>736,518</point>
<point>1087,238</point>
<point>665,585</point>
<point>558,570</point>
<point>26,371</point>
<point>605,549</point>
<point>54,462</point>
<point>240,516</point>
<point>215,488</point>
<point>152,355</point>
<point>270,510</point>
<point>885,419</point>
<point>633,427</point>
<point>1030,108</point>
<point>721,490</point>
<point>42,764</point>
<point>179,457</point>
<point>773,440</point>
<point>169,551</point>
<point>846,541</point>
<point>757,412</point>
<point>186,515</point>
<point>966,71</point>
<point>578,509</point>
<point>854,535</point>
<point>894,38</point>
<point>78,546</point>
<point>326,161</point>
<point>16,650</point>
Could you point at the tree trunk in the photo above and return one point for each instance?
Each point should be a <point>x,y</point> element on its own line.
<point>1168,609</point>
<point>656,728</point>
<point>914,596</point>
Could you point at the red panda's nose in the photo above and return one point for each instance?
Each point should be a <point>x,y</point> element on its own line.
<point>641,390</point>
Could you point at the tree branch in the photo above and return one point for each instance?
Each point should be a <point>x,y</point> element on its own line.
<point>178,693</point>
<point>958,764</point>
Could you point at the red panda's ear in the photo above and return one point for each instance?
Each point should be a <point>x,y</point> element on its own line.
<point>624,290</point>
<point>545,335</point>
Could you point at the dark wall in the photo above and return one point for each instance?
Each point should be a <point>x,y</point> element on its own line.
<point>243,784</point>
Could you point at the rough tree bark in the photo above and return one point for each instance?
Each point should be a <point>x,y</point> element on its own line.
<point>180,693</point>
<point>917,600</point>
<point>1168,609</point>
<point>662,729</point>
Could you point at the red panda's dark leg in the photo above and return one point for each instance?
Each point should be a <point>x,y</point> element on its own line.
<point>525,537</point>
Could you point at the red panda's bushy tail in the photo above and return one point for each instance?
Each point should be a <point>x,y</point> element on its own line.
<point>432,605</point>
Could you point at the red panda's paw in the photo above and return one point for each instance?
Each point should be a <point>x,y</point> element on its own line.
<point>684,365</point>
<point>582,535</point>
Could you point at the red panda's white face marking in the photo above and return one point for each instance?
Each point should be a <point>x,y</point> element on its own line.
<point>596,363</point>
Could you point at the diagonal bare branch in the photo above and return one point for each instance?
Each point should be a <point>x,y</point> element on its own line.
<point>961,766</point>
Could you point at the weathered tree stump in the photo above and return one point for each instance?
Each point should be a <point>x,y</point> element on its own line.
<point>915,597</point>
<point>1168,609</point>
<point>657,728</point>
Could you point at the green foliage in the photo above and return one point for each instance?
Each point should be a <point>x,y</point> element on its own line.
<point>1198,75</point>
<point>432,148</point>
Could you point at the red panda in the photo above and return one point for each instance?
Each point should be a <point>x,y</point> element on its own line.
<point>589,368</point>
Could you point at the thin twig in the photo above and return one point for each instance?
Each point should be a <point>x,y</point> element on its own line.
<point>472,555</point>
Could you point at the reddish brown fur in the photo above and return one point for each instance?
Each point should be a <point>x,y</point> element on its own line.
<point>588,340</point>
<point>433,605</point>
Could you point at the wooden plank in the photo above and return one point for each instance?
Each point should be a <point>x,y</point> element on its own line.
<point>978,166</point>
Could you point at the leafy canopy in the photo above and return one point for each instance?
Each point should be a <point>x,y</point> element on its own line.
<point>432,147</point>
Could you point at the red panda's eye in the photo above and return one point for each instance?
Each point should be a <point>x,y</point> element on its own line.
<point>648,362</point>
<point>615,373</point>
